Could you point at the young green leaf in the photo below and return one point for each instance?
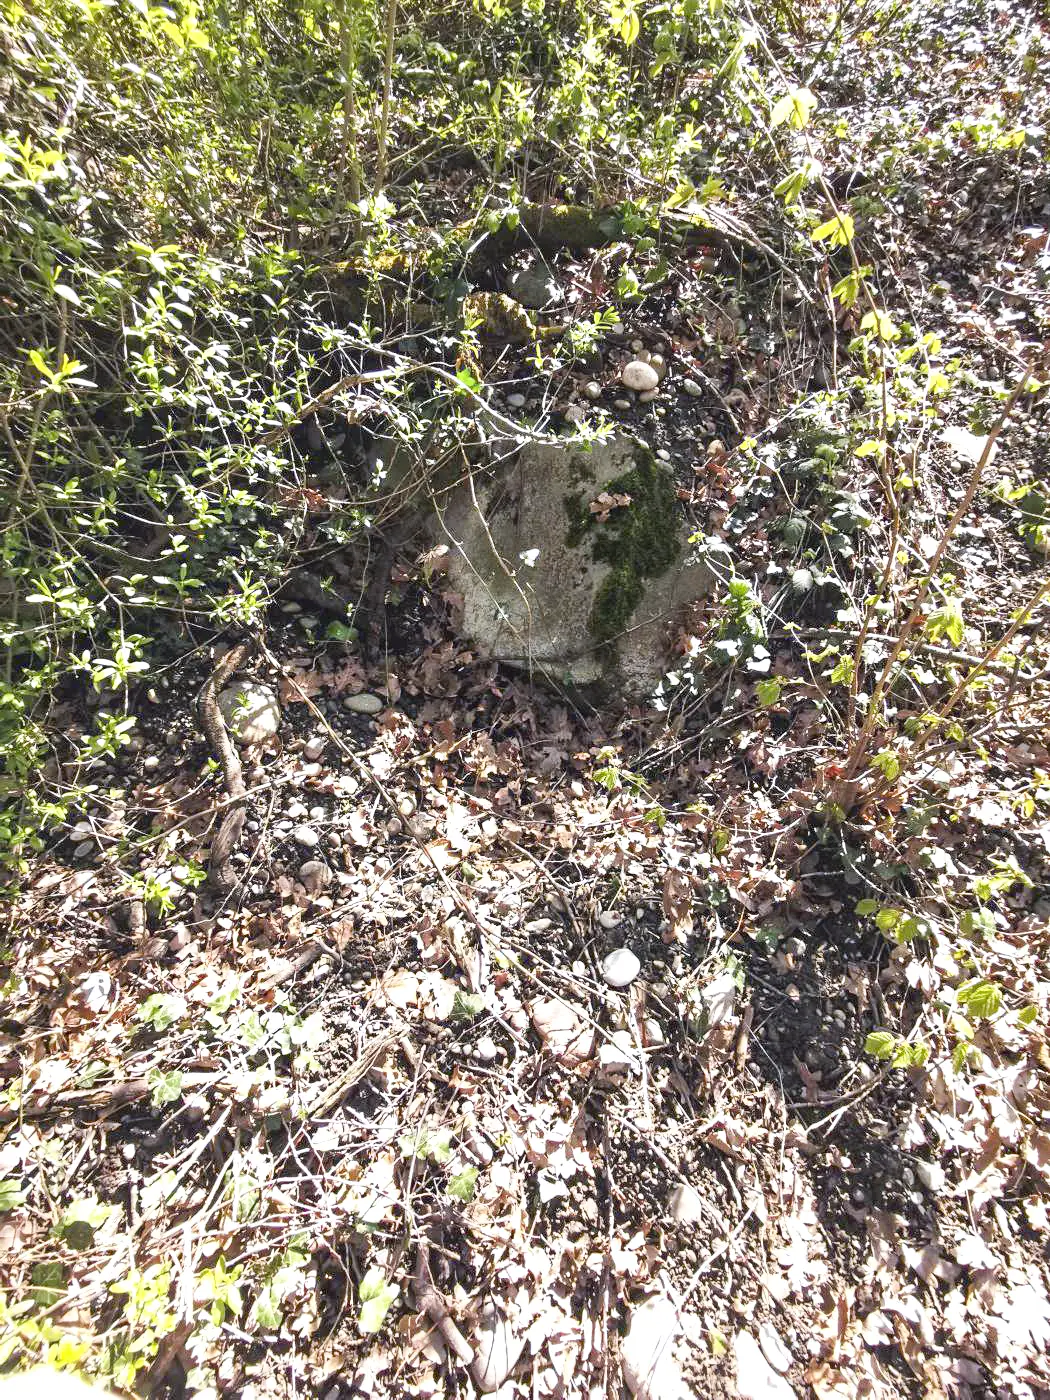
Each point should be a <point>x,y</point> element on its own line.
<point>838,230</point>
<point>768,690</point>
<point>880,1044</point>
<point>881,324</point>
<point>795,107</point>
<point>980,997</point>
<point>467,1006</point>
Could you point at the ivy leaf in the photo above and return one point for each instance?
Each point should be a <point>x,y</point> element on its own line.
<point>462,1186</point>
<point>81,1220</point>
<point>165,1086</point>
<point>266,1312</point>
<point>375,1296</point>
<point>161,1009</point>
<point>48,1284</point>
<point>11,1195</point>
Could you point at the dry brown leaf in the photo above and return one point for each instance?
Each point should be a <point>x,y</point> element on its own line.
<point>400,988</point>
<point>563,1030</point>
<point>607,501</point>
<point>678,902</point>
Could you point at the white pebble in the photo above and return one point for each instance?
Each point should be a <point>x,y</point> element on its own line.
<point>618,1054</point>
<point>593,390</point>
<point>515,400</point>
<point>620,967</point>
<point>692,388</point>
<point>608,918</point>
<point>755,1377</point>
<point>307,837</point>
<point>639,376</point>
<point>649,396</point>
<point>658,363</point>
<point>773,1348</point>
<point>486,1052</point>
<point>314,748</point>
<point>653,1033</point>
<point>622,404</point>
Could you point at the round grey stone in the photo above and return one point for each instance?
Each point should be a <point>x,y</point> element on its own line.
<point>251,712</point>
<point>637,375</point>
<point>364,704</point>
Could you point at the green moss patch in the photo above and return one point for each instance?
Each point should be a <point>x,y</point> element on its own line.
<point>637,542</point>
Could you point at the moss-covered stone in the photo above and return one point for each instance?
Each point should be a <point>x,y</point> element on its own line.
<point>573,226</point>
<point>544,582</point>
<point>637,542</point>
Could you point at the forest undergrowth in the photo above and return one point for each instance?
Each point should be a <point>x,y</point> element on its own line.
<point>470,1031</point>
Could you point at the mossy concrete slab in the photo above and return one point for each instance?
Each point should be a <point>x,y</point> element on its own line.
<point>547,583</point>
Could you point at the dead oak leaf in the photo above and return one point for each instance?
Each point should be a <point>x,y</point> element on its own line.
<point>678,902</point>
<point>606,502</point>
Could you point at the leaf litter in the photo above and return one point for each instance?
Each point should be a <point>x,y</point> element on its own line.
<point>393,1133</point>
